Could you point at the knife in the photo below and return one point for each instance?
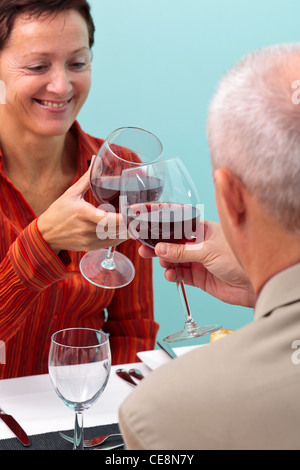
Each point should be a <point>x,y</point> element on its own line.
<point>15,428</point>
<point>165,347</point>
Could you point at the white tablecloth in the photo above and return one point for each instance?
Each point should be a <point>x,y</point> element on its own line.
<point>35,405</point>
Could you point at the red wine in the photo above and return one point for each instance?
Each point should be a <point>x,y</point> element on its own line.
<point>163,222</point>
<point>106,190</point>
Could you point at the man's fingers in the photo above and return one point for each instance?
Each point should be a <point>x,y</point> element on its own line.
<point>171,275</point>
<point>166,264</point>
<point>146,252</point>
<point>172,253</point>
<point>179,273</point>
<point>180,253</point>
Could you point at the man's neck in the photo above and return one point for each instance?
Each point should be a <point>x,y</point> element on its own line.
<point>272,250</point>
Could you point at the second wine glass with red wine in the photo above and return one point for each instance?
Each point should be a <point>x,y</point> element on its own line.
<point>171,215</point>
<point>127,147</point>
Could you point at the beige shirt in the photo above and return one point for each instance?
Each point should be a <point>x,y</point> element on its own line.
<point>241,392</point>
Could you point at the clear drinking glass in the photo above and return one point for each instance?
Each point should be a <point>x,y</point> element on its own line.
<point>79,369</point>
<point>165,209</point>
<point>127,147</point>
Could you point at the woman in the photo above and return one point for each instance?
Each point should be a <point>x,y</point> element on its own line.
<point>46,224</point>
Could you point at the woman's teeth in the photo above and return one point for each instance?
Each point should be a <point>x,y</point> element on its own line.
<point>53,105</point>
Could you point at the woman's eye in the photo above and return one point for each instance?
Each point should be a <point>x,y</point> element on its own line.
<point>37,68</point>
<point>78,65</point>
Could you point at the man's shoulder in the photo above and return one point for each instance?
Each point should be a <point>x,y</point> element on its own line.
<point>281,290</point>
<point>219,395</point>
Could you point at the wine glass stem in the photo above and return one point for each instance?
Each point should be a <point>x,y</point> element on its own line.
<point>184,300</point>
<point>109,263</point>
<point>78,432</point>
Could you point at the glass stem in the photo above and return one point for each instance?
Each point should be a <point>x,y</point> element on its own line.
<point>109,263</point>
<point>184,300</point>
<point>78,432</point>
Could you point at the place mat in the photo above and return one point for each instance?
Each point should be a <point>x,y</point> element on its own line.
<point>53,441</point>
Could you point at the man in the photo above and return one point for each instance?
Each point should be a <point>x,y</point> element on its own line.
<point>241,392</point>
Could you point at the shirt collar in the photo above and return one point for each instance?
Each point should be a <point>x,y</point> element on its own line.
<point>88,146</point>
<point>282,289</point>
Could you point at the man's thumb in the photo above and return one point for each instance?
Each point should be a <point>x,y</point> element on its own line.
<point>170,252</point>
<point>179,253</point>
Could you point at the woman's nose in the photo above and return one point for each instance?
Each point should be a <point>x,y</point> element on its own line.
<point>60,83</point>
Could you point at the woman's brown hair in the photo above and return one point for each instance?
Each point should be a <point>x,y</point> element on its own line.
<point>11,9</point>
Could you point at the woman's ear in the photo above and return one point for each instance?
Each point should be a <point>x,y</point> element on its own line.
<point>230,195</point>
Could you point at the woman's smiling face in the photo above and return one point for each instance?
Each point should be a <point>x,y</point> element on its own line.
<point>46,68</point>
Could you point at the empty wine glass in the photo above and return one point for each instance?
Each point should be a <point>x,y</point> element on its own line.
<point>127,147</point>
<point>79,368</point>
<point>172,214</point>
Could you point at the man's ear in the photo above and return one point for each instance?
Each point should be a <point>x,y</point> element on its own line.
<point>231,194</point>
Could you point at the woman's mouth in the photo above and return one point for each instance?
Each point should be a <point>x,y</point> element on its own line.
<point>55,105</point>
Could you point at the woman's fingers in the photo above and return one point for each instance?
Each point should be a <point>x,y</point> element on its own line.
<point>82,185</point>
<point>74,224</point>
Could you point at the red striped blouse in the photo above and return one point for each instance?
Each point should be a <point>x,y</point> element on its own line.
<point>41,292</point>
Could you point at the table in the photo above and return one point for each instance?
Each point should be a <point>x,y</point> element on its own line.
<point>35,405</point>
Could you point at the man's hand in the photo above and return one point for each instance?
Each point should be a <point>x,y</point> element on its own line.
<point>210,265</point>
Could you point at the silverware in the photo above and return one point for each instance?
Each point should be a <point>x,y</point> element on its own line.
<point>108,448</point>
<point>12,424</point>
<point>167,349</point>
<point>94,441</point>
<point>128,375</point>
<point>123,374</point>
<point>136,373</point>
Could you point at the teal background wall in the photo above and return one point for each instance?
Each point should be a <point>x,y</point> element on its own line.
<point>156,65</point>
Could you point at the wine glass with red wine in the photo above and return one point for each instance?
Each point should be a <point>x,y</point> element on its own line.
<point>124,148</point>
<point>171,215</point>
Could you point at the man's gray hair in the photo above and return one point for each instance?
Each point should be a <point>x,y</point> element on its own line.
<point>253,128</point>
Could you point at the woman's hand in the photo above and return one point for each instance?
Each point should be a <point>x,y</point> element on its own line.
<point>73,224</point>
<point>210,265</point>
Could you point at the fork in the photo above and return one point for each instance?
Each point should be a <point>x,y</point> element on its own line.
<point>95,441</point>
<point>127,376</point>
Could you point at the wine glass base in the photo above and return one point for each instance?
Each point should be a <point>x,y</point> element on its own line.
<point>191,330</point>
<point>111,277</point>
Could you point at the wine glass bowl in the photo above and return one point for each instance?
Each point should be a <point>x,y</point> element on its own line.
<point>170,214</point>
<point>125,148</point>
<point>79,369</point>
